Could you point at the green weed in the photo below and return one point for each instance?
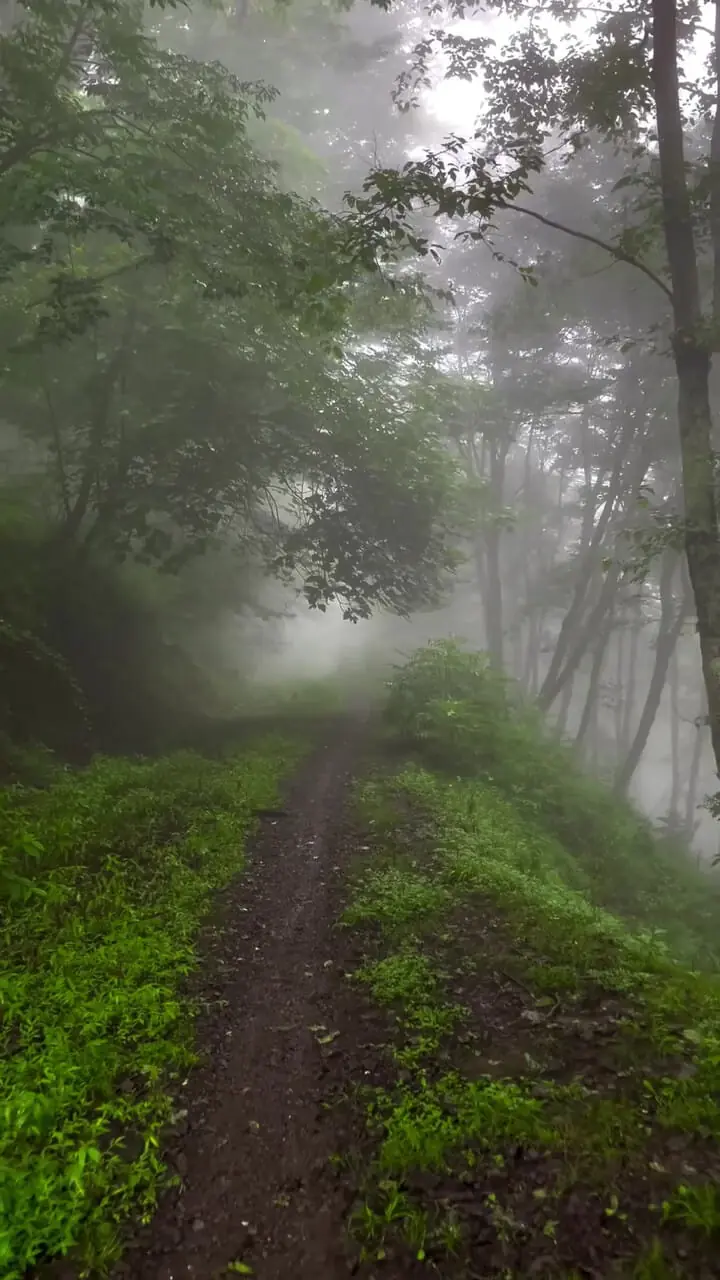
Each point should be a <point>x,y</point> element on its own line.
<point>390,1214</point>
<point>405,975</point>
<point>430,1126</point>
<point>696,1207</point>
<point>590,908</point>
<point>397,897</point>
<point>653,1265</point>
<point>106,876</point>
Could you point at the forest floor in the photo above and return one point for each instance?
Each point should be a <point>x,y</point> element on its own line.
<point>258,1133</point>
<point>390,1089</point>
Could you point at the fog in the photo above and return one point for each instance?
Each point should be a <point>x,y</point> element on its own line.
<point>270,468</point>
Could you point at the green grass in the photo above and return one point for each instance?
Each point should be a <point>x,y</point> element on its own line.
<point>467,721</point>
<point>104,879</point>
<point>453,843</point>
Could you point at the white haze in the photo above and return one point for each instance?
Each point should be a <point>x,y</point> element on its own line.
<point>309,645</point>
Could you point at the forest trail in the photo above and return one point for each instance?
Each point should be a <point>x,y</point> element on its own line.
<point>255,1137</point>
<point>475,1102</point>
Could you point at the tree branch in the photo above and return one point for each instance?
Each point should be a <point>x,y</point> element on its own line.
<point>620,255</point>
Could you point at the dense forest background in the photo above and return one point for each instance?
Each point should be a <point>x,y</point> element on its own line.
<point>231,397</point>
<point>330,328</point>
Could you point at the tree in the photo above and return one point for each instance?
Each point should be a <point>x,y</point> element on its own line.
<point>604,86</point>
<point>181,354</point>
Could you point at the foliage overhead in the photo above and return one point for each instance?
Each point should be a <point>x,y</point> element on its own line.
<point>180,359</point>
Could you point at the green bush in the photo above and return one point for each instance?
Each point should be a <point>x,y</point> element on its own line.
<point>104,877</point>
<point>469,721</point>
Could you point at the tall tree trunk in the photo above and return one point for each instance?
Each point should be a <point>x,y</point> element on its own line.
<point>596,670</point>
<point>530,648</point>
<point>493,582</point>
<point>671,623</point>
<point>674,690</point>
<point>691,345</point>
<point>593,751</point>
<point>630,684</point>
<point>693,781</point>
<point>620,645</point>
<point>593,538</point>
<point>583,638</point>
<point>532,658</point>
<point>564,709</point>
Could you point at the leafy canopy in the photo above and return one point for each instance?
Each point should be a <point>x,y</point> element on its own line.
<point>182,364</point>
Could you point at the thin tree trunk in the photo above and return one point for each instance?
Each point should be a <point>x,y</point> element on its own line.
<point>631,684</point>
<point>620,645</point>
<point>674,690</point>
<point>594,684</point>
<point>564,709</point>
<point>594,538</point>
<point>493,598</point>
<point>691,794</point>
<point>593,748</point>
<point>671,623</point>
<point>584,637</point>
<point>532,670</point>
<point>530,648</point>
<point>494,628</point>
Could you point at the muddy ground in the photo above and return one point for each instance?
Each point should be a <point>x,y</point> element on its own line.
<point>282,1038</point>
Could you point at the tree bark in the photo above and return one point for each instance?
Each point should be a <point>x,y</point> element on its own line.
<point>494,628</point>
<point>595,677</point>
<point>691,346</point>
<point>675,784</point>
<point>671,623</point>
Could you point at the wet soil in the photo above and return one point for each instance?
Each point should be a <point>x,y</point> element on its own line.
<point>283,1038</point>
<point>286,1039</point>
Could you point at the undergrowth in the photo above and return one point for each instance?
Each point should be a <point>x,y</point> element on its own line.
<point>104,878</point>
<point>471,722</point>
<point>481,885</point>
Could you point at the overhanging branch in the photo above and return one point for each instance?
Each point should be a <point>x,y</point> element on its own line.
<point>620,255</point>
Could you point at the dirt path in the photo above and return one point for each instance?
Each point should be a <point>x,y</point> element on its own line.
<point>257,1183</point>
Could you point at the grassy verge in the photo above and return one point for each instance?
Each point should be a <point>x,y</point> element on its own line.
<point>554,1105</point>
<point>104,878</point>
<point>467,721</point>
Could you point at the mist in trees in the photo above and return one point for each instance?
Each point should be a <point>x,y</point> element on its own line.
<point>330,328</point>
